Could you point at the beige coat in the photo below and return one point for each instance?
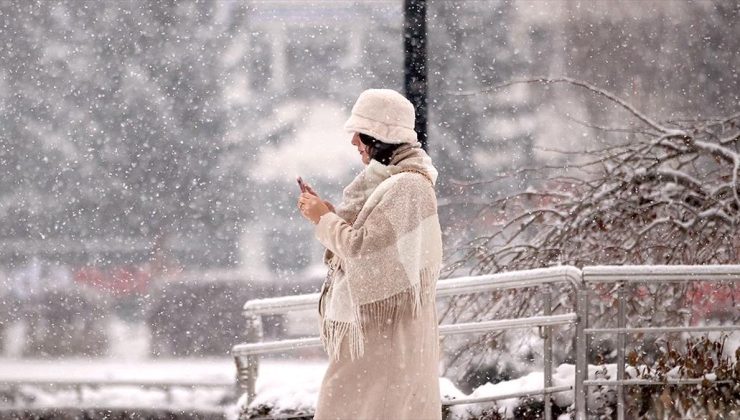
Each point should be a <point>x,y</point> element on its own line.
<point>397,377</point>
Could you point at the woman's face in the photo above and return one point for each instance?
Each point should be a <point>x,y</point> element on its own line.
<point>361,148</point>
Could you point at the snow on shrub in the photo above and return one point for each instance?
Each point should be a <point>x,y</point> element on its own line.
<point>717,397</point>
<point>657,192</point>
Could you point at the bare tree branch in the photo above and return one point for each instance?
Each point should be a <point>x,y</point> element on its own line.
<point>670,196</point>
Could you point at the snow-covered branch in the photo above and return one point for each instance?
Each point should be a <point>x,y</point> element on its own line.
<point>667,196</point>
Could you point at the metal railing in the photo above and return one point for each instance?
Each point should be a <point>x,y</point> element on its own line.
<point>629,275</point>
<point>80,385</point>
<point>246,355</point>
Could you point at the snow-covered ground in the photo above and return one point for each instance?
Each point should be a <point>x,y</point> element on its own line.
<point>218,392</point>
<point>282,384</point>
<point>206,370</point>
<point>299,391</point>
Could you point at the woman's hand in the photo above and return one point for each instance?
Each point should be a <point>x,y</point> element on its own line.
<point>312,207</point>
<point>310,190</point>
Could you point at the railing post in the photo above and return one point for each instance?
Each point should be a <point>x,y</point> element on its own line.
<point>581,353</point>
<point>14,395</point>
<point>80,396</point>
<point>253,335</point>
<point>621,323</point>
<point>547,311</point>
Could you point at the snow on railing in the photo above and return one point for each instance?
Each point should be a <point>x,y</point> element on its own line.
<point>246,354</point>
<point>446,287</point>
<point>247,360</point>
<point>79,385</point>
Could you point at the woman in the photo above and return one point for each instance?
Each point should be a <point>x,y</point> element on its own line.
<point>377,311</point>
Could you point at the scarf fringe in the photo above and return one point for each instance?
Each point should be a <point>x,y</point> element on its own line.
<point>386,312</point>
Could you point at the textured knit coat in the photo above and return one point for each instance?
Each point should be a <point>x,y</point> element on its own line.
<point>395,376</point>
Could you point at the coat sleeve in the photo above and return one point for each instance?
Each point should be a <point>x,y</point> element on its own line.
<point>397,211</point>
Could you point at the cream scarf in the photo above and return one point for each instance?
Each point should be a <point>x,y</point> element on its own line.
<point>384,249</point>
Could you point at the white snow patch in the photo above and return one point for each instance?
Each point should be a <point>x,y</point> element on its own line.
<point>210,398</point>
<point>319,138</point>
<point>289,385</point>
<point>448,390</point>
<point>14,338</point>
<point>128,340</point>
<point>531,382</point>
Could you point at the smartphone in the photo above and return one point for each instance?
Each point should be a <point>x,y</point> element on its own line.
<point>301,184</point>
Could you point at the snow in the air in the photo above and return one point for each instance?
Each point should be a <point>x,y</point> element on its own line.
<point>148,161</point>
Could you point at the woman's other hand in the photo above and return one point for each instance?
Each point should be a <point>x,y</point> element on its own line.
<point>312,207</point>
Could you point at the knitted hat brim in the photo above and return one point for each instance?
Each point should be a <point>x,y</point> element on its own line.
<point>392,134</point>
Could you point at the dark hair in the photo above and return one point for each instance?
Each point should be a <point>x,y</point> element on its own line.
<point>376,149</point>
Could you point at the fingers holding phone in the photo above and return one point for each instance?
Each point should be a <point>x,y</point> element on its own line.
<point>310,190</point>
<point>312,207</point>
<point>305,187</point>
<point>310,204</point>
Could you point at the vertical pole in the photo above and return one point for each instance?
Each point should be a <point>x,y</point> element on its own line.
<point>548,351</point>
<point>415,62</point>
<point>254,335</point>
<point>581,352</point>
<point>621,323</point>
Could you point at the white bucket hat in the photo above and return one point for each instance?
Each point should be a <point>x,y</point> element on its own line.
<point>384,114</point>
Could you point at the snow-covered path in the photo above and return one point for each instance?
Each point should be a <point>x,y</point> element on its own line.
<point>216,374</point>
<point>210,370</point>
<point>187,370</point>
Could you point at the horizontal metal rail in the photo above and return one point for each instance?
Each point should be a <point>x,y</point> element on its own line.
<point>247,349</point>
<point>115,382</point>
<point>504,324</point>
<point>657,330</point>
<point>473,400</point>
<point>81,410</point>
<point>78,385</point>
<point>510,280</point>
<point>280,305</point>
<point>641,382</point>
<point>445,288</point>
<point>659,273</point>
<point>246,355</point>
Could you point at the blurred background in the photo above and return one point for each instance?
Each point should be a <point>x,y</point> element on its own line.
<point>148,150</point>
